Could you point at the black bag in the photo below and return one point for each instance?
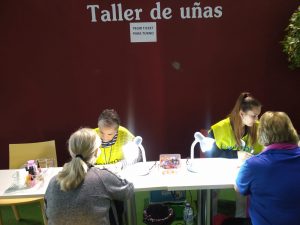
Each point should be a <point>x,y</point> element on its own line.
<point>158,214</point>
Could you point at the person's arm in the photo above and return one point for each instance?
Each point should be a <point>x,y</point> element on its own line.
<point>119,189</point>
<point>244,179</point>
<point>215,152</point>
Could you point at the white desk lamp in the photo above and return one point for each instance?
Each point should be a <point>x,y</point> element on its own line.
<point>131,151</point>
<point>138,141</point>
<point>206,144</point>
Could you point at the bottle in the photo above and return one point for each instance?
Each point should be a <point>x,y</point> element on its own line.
<point>38,166</point>
<point>188,215</point>
<point>32,173</point>
<point>31,167</point>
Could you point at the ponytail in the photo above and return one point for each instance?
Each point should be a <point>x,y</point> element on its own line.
<point>72,174</point>
<point>83,145</point>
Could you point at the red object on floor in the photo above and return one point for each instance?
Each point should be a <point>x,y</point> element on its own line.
<point>219,218</point>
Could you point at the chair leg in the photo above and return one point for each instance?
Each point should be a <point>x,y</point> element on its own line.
<point>42,203</point>
<point>16,212</point>
<point>1,218</point>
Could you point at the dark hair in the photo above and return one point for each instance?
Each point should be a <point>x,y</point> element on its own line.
<point>109,118</point>
<point>245,102</point>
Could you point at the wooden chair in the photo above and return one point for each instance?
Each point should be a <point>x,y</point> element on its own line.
<point>19,154</point>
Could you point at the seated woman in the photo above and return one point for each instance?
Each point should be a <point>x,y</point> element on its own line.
<point>114,138</point>
<point>239,130</point>
<point>237,134</point>
<point>272,178</point>
<point>80,193</point>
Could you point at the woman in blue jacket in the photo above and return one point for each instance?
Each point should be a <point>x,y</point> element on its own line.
<point>272,178</point>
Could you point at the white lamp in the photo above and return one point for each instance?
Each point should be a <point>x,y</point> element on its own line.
<point>206,143</point>
<point>138,141</point>
<point>140,168</point>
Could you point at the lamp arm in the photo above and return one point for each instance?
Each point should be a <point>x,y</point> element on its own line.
<point>143,153</point>
<point>193,148</point>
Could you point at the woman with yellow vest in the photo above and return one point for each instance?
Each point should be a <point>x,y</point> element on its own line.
<point>237,134</point>
<point>113,138</point>
<point>239,130</point>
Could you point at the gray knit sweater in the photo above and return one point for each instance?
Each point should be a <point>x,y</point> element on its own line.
<point>89,203</point>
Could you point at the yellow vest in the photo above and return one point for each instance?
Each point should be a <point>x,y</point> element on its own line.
<point>114,153</point>
<point>225,139</point>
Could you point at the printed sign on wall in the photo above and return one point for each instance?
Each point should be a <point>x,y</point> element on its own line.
<point>147,31</point>
<point>143,32</point>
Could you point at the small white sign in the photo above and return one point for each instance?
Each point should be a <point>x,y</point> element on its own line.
<point>143,32</point>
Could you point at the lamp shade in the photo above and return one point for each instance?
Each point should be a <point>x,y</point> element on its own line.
<point>206,143</point>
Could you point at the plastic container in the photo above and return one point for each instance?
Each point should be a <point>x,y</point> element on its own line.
<point>169,163</point>
<point>188,214</point>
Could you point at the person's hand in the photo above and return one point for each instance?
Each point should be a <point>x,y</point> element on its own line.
<point>243,156</point>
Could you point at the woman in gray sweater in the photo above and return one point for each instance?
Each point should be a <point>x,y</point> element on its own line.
<point>80,193</point>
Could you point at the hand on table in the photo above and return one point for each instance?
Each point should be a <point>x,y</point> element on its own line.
<point>243,156</point>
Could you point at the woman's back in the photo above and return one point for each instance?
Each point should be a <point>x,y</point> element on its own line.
<point>275,184</point>
<point>89,203</point>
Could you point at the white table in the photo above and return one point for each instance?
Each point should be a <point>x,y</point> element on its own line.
<point>215,173</point>
<point>6,177</point>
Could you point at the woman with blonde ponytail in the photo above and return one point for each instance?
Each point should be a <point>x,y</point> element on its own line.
<point>83,148</point>
<point>80,193</point>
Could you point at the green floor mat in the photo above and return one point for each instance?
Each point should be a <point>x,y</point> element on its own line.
<point>30,214</point>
